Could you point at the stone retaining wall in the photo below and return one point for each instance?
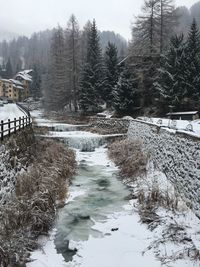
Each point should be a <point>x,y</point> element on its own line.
<point>175,154</point>
<point>109,125</point>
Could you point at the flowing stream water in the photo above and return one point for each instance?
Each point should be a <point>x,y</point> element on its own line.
<point>97,220</point>
<point>97,185</point>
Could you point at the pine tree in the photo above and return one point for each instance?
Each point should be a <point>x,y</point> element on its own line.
<point>36,83</point>
<point>171,82</point>
<point>92,74</point>
<point>111,73</point>
<point>193,67</point>
<point>125,93</point>
<point>9,71</point>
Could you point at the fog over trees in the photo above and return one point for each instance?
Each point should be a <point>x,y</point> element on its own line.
<point>84,69</point>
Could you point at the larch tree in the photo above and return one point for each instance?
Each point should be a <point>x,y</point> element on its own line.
<point>145,30</point>
<point>56,95</point>
<point>168,19</point>
<point>152,30</point>
<point>73,60</point>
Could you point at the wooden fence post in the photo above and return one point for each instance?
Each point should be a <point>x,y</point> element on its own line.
<point>23,121</point>
<point>19,123</point>
<point>1,130</point>
<point>15,125</point>
<point>9,127</point>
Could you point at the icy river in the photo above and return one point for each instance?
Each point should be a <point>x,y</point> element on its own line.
<point>98,226</point>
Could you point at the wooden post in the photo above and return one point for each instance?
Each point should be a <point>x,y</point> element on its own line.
<point>23,121</point>
<point>9,127</point>
<point>19,123</point>
<point>1,130</point>
<point>15,125</point>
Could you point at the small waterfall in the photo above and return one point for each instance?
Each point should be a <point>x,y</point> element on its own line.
<point>84,141</point>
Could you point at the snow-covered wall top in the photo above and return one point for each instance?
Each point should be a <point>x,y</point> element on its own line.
<point>176,154</point>
<point>110,125</point>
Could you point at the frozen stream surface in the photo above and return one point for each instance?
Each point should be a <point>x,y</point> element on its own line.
<point>96,207</point>
<point>97,227</point>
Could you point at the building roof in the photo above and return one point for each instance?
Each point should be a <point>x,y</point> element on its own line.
<point>25,75</point>
<point>5,80</point>
<point>183,113</point>
<point>16,82</point>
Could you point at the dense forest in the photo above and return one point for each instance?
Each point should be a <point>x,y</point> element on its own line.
<point>85,69</point>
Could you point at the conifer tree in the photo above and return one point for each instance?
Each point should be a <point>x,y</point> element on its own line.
<point>172,79</point>
<point>193,67</point>
<point>36,82</point>
<point>111,73</point>
<point>92,74</point>
<point>125,96</point>
<point>9,71</point>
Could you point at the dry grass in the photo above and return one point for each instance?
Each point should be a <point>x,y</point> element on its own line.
<point>32,210</point>
<point>154,197</point>
<point>129,156</point>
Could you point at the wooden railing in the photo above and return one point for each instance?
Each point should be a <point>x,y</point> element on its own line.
<point>9,127</point>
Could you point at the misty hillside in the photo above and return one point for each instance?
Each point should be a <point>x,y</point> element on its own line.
<point>7,35</point>
<point>25,52</point>
<point>186,16</point>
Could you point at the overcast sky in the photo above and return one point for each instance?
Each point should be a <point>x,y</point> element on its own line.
<point>27,16</point>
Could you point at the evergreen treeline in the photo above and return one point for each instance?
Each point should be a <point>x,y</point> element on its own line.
<point>80,75</point>
<point>178,83</point>
<point>160,73</point>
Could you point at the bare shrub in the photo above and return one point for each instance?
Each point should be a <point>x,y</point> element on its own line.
<point>129,156</point>
<point>153,197</point>
<point>32,210</point>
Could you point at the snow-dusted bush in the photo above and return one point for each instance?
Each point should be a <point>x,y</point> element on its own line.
<point>31,211</point>
<point>129,156</point>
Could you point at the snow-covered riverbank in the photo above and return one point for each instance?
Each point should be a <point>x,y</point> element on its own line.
<point>99,227</point>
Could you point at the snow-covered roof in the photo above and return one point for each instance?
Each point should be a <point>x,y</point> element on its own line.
<point>5,80</point>
<point>183,113</point>
<point>16,82</point>
<point>28,71</point>
<point>25,75</point>
<point>20,87</point>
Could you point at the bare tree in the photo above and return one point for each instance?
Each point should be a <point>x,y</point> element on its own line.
<point>168,19</point>
<point>56,84</point>
<point>152,30</point>
<point>73,59</point>
<point>145,30</point>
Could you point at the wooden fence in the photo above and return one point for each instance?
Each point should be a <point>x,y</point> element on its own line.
<point>9,127</point>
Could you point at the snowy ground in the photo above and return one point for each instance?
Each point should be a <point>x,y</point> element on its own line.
<point>132,244</point>
<point>173,242</point>
<point>11,111</point>
<point>188,127</point>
